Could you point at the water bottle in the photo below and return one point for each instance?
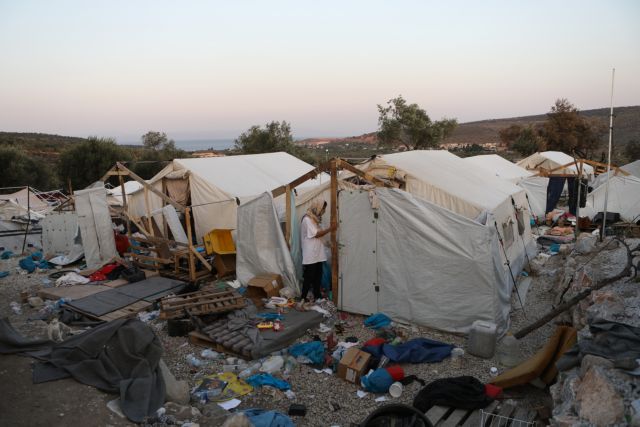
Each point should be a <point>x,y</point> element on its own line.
<point>194,361</point>
<point>15,307</point>
<point>509,351</point>
<point>209,354</point>
<point>456,357</point>
<point>272,364</point>
<point>250,370</point>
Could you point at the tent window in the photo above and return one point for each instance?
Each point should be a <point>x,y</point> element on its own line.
<point>507,233</point>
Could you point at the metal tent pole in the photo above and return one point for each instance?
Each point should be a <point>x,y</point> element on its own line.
<point>606,190</point>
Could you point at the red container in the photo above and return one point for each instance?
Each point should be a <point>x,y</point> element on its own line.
<point>396,372</point>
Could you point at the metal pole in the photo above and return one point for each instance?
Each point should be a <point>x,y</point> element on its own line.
<point>606,190</point>
<point>26,231</point>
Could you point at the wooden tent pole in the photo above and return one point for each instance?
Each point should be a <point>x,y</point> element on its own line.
<point>287,231</point>
<point>334,231</point>
<point>192,267</point>
<point>125,205</point>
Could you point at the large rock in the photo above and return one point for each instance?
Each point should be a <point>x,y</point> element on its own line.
<point>564,394</point>
<point>597,401</point>
<point>590,360</point>
<point>175,391</point>
<point>182,412</point>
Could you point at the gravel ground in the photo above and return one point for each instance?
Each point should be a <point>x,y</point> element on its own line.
<point>317,390</point>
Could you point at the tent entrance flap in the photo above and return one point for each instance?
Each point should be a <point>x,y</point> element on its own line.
<point>357,240</point>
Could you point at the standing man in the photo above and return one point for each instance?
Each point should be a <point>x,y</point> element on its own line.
<point>313,250</point>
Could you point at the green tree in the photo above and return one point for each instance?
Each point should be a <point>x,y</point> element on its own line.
<point>158,150</point>
<point>408,125</point>
<point>528,142</point>
<point>510,134</point>
<point>566,130</point>
<point>88,161</point>
<point>19,169</point>
<point>275,136</point>
<point>632,151</point>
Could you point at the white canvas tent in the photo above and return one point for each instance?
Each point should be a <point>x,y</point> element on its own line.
<point>535,186</point>
<point>545,161</point>
<point>632,168</point>
<point>448,217</point>
<point>624,198</point>
<point>217,185</point>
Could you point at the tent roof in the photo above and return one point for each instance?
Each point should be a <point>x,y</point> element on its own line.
<point>26,198</point>
<point>451,174</point>
<point>633,168</point>
<point>248,175</point>
<point>550,160</point>
<point>499,166</point>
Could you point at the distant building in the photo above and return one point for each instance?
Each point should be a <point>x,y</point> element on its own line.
<point>204,154</point>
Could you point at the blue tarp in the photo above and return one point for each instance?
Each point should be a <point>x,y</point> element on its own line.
<point>377,321</point>
<point>259,380</point>
<point>314,350</point>
<point>264,418</point>
<point>418,350</point>
<point>378,381</point>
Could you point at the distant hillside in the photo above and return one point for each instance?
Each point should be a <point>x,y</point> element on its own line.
<point>626,128</point>
<point>38,144</point>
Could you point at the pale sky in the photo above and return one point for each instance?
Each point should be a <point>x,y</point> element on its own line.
<point>212,69</point>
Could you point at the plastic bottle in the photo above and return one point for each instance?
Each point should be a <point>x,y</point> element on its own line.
<point>509,351</point>
<point>272,364</point>
<point>194,361</point>
<point>250,370</point>
<point>209,354</point>
<point>289,365</point>
<point>456,357</point>
<point>15,307</point>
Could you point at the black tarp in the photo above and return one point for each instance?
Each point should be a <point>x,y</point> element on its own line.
<point>118,357</point>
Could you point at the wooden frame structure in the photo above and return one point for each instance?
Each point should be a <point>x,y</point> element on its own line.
<point>332,166</point>
<point>579,163</point>
<point>160,244</point>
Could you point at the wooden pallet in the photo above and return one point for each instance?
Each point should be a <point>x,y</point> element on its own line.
<point>495,415</point>
<point>205,301</point>
<point>125,312</point>
<point>201,340</point>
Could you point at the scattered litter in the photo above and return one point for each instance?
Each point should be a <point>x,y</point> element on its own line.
<point>377,321</point>
<point>230,404</point>
<point>114,406</point>
<point>3,274</point>
<point>260,380</point>
<point>381,399</point>
<point>147,316</point>
<point>493,371</point>
<point>72,279</point>
<point>235,284</point>
<point>210,354</point>
<point>272,364</point>
<point>325,370</point>
<point>320,310</point>
<point>194,361</point>
<point>324,328</point>
<point>361,394</point>
<point>17,309</point>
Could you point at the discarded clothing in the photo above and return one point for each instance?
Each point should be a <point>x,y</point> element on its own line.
<point>313,350</point>
<point>259,380</point>
<point>418,350</point>
<point>271,316</point>
<point>3,274</point>
<point>6,255</point>
<point>108,272</point>
<point>27,264</point>
<point>459,392</point>
<point>71,279</point>
<point>374,342</point>
<point>611,340</point>
<point>118,357</point>
<point>377,321</point>
<point>264,418</point>
<point>378,381</point>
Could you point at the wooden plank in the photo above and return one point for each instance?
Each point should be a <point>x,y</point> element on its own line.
<point>475,417</point>
<point>73,292</point>
<point>164,197</point>
<point>200,339</point>
<point>192,264</point>
<point>454,418</point>
<point>437,413</point>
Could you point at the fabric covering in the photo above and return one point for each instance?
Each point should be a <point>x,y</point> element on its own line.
<point>459,392</point>
<point>313,350</point>
<point>377,321</point>
<point>259,380</point>
<point>260,244</point>
<point>94,221</point>
<point>624,198</point>
<point>378,381</point>
<point>120,357</point>
<point>550,160</point>
<point>417,350</point>
<point>611,340</point>
<point>264,418</point>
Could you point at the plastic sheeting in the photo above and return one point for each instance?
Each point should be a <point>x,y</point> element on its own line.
<point>95,226</point>
<point>260,244</point>
<point>549,160</point>
<point>433,267</point>
<point>174,224</point>
<point>624,198</point>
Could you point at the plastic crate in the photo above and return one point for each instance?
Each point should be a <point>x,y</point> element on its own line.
<point>219,241</point>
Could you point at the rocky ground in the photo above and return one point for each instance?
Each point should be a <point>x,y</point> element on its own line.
<point>70,403</point>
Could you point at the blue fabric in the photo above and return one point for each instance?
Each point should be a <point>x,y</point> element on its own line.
<point>27,264</point>
<point>43,265</point>
<point>554,191</point>
<point>36,256</point>
<point>418,350</point>
<point>314,350</point>
<point>377,321</point>
<point>271,316</point>
<point>6,255</point>
<point>378,381</point>
<point>264,418</point>
<point>259,380</point>
<point>3,274</point>
<point>326,275</point>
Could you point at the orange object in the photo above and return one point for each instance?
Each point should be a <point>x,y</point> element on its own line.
<point>265,325</point>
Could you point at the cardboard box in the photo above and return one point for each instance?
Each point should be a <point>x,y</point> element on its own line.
<point>353,365</point>
<point>263,286</point>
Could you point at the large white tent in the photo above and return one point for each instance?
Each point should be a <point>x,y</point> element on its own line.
<point>624,198</point>
<point>546,161</point>
<point>217,185</point>
<point>632,168</point>
<point>450,217</point>
<point>535,186</point>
